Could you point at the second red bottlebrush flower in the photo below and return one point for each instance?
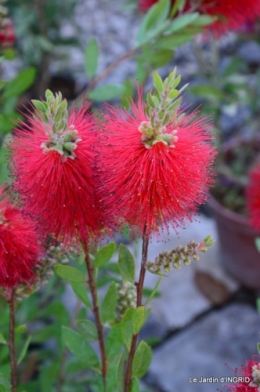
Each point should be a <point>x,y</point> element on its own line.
<point>158,161</point>
<point>53,166</point>
<point>19,247</point>
<point>253,197</point>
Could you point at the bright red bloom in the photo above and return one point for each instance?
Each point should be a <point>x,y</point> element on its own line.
<point>250,373</point>
<point>253,197</point>
<point>7,35</point>
<point>150,186</point>
<point>56,190</point>
<point>19,247</point>
<point>233,14</point>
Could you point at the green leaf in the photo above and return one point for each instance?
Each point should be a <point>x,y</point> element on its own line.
<point>207,91</point>
<point>204,20</point>
<point>106,93</point>
<point>257,243</point>
<point>87,330</point>
<point>258,347</point>
<point>142,360</point>
<point>172,41</point>
<point>24,350</point>
<point>80,348</point>
<point>2,339</point>
<point>91,58</point>
<point>178,5</point>
<point>134,386</point>
<point>138,319</point>
<point>127,327</point>
<point>111,379</point>
<point>157,81</point>
<point>4,383</point>
<point>182,21</point>
<point>104,255</point>
<point>114,342</point>
<point>120,373</point>
<point>109,304</point>
<point>69,273</point>
<point>20,83</point>
<point>81,292</point>
<point>126,263</point>
<point>153,22</point>
<point>127,94</point>
<point>154,291</point>
<point>21,328</point>
<point>81,258</point>
<point>258,305</point>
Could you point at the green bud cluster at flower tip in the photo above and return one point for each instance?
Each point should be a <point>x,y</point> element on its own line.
<point>54,114</point>
<point>162,108</point>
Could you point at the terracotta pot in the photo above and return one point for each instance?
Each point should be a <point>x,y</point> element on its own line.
<point>239,255</point>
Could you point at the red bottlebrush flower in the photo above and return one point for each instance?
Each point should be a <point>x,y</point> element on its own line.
<point>151,185</point>
<point>19,247</point>
<point>249,375</point>
<point>232,14</point>
<point>253,197</point>
<point>7,35</point>
<point>58,186</point>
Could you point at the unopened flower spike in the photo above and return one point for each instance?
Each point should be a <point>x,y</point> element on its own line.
<point>168,259</point>
<point>162,108</point>
<point>62,137</point>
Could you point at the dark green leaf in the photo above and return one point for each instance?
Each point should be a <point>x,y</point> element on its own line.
<point>21,329</point>
<point>91,58</point>
<point>106,93</point>
<point>138,319</point>
<point>2,339</point>
<point>20,83</point>
<point>127,327</point>
<point>111,379</point>
<point>114,342</point>
<point>142,360</point>
<point>207,91</point>
<point>204,20</point>
<point>80,348</point>
<point>4,382</point>
<point>134,386</point>
<point>182,21</point>
<point>120,373</point>
<point>127,94</point>
<point>126,263</point>
<point>69,273</point>
<point>109,304</point>
<point>178,5</point>
<point>81,292</point>
<point>104,255</point>
<point>172,41</point>
<point>87,330</point>
<point>24,350</point>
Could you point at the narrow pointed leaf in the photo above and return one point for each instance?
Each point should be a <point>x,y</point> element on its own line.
<point>24,350</point>
<point>91,58</point>
<point>154,291</point>
<point>87,330</point>
<point>81,292</point>
<point>126,264</point>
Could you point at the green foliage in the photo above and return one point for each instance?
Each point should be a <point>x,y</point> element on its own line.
<point>69,273</point>
<point>104,255</point>
<point>81,292</point>
<point>20,83</point>
<point>91,58</point>
<point>106,93</point>
<point>126,264</point>
<point>24,350</point>
<point>109,304</point>
<point>87,330</point>
<point>80,348</point>
<point>134,387</point>
<point>142,360</point>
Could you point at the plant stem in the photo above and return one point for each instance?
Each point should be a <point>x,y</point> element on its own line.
<point>12,343</point>
<point>139,287</point>
<point>95,309</point>
<point>107,71</point>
